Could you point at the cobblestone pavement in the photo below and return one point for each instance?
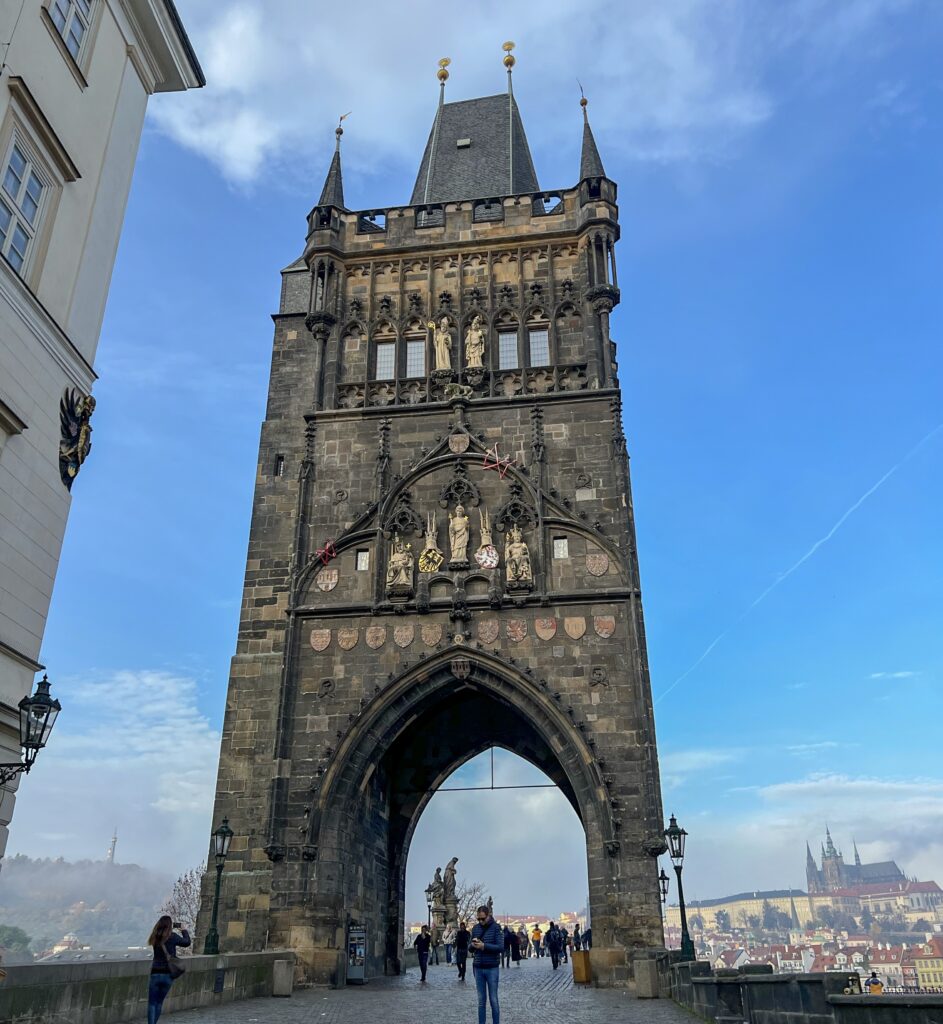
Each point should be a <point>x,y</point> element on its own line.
<point>530,994</point>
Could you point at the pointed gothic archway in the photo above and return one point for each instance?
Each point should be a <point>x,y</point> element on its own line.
<point>405,743</point>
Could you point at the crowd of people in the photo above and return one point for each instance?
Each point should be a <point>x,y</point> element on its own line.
<point>492,946</point>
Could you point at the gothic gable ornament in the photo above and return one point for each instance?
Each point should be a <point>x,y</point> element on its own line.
<point>488,631</point>
<point>404,519</point>
<point>516,511</point>
<point>575,627</point>
<point>459,490</point>
<point>376,636</point>
<point>431,633</point>
<point>327,579</point>
<point>320,639</point>
<point>403,635</point>
<point>597,564</point>
<point>545,627</point>
<point>605,625</point>
<point>75,411</point>
<point>347,638</point>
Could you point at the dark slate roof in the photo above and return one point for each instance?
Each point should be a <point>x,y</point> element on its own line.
<point>496,163</point>
<point>590,161</point>
<point>880,871</point>
<point>333,192</point>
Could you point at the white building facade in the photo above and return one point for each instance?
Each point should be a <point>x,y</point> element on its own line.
<point>74,84</point>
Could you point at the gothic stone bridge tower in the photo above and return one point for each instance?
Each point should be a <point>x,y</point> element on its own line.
<point>442,554</point>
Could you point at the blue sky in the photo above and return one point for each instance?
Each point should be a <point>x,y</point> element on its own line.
<point>779,337</point>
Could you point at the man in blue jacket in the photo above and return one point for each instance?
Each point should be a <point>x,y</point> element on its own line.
<point>487,946</point>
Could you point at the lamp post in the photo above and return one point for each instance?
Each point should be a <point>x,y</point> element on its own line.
<point>676,837</point>
<point>38,715</point>
<point>222,837</point>
<point>664,882</point>
<point>430,890</point>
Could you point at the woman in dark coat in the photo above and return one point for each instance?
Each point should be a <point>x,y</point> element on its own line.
<point>164,941</point>
<point>515,947</point>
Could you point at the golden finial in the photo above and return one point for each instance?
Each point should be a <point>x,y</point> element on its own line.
<point>442,74</point>
<point>508,56</point>
<point>583,100</point>
<point>339,131</point>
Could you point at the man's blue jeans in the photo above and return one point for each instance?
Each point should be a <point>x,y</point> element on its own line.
<point>157,991</point>
<point>423,965</point>
<point>448,952</point>
<point>486,981</point>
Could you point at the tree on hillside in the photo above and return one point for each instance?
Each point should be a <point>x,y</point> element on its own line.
<point>697,922</point>
<point>722,919</point>
<point>867,919</point>
<point>183,903</point>
<point>14,939</point>
<point>774,920</point>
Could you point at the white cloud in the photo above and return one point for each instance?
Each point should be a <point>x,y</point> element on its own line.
<point>892,675</point>
<point>683,82</point>
<point>810,749</point>
<point>679,765</point>
<point>132,749</point>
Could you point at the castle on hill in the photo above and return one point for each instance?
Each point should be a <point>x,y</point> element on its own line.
<point>835,874</point>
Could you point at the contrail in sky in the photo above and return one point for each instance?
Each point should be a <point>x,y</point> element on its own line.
<point>812,550</point>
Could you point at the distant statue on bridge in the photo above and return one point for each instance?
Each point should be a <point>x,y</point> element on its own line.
<point>448,880</point>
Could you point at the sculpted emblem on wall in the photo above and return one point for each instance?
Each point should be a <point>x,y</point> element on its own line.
<point>347,638</point>
<point>320,638</point>
<point>597,564</point>
<point>376,636</point>
<point>403,635</point>
<point>545,627</point>
<point>327,579</point>
<point>605,625</point>
<point>488,631</point>
<point>516,630</point>
<point>575,627</point>
<point>431,633</point>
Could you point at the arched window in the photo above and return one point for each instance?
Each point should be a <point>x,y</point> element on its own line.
<point>416,338</point>
<point>384,352</point>
<point>508,355</point>
<point>538,340</point>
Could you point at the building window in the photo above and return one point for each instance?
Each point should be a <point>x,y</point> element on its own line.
<point>415,359</point>
<point>279,465</point>
<point>71,18</point>
<point>539,346</point>
<point>386,360</point>
<point>363,561</point>
<point>507,350</point>
<point>561,548</point>
<point>20,205</point>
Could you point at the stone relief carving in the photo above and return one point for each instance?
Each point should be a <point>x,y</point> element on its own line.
<point>458,538</point>
<point>442,343</point>
<point>459,490</point>
<point>432,557</point>
<point>399,571</point>
<point>517,567</point>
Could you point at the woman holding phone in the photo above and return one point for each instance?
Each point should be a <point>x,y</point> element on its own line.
<point>165,941</point>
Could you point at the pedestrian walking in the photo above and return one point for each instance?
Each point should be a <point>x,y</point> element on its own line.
<point>423,942</point>
<point>449,939</point>
<point>588,937</point>
<point>522,942</point>
<point>577,937</point>
<point>874,985</point>
<point>552,942</point>
<point>515,948</point>
<point>506,939</point>
<point>564,942</point>
<point>487,946</point>
<point>165,941</point>
<point>536,935</point>
<point>462,939</point>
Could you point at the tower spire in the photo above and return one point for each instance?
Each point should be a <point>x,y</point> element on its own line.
<point>443,76</point>
<point>333,192</point>
<point>590,161</point>
<point>854,843</point>
<point>509,63</point>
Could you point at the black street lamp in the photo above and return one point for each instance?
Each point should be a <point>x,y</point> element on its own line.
<point>222,837</point>
<point>676,837</point>
<point>38,715</point>
<point>663,881</point>
<point>430,892</point>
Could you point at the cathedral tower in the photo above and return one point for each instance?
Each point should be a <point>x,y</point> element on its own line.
<point>442,554</point>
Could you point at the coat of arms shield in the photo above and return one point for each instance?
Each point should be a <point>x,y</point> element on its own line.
<point>376,636</point>
<point>320,638</point>
<point>545,626</point>
<point>327,579</point>
<point>488,631</point>
<point>516,630</point>
<point>347,638</point>
<point>403,635</point>
<point>575,627</point>
<point>605,625</point>
<point>597,564</point>
<point>458,443</point>
<point>431,633</point>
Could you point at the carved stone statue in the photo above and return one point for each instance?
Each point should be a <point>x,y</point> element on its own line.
<point>75,411</point>
<point>431,558</point>
<point>442,344</point>
<point>458,538</point>
<point>475,344</point>
<point>517,562</point>
<point>399,572</point>
<point>438,888</point>
<point>448,880</point>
